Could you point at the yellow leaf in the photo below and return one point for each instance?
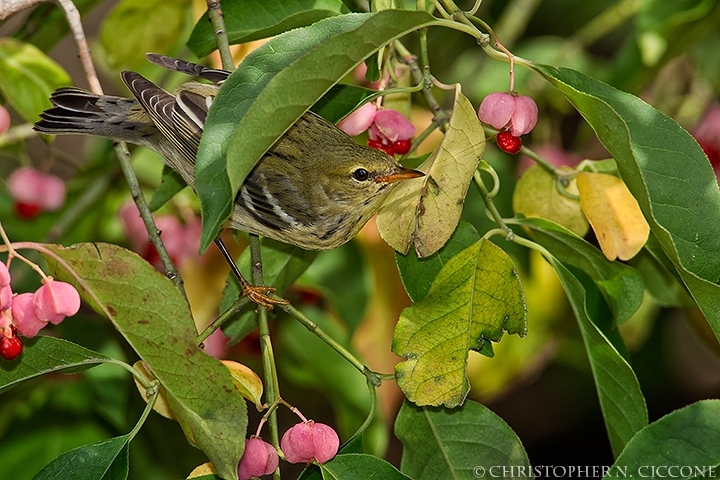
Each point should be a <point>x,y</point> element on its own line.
<point>161,404</point>
<point>202,470</point>
<point>614,214</point>
<point>536,195</point>
<point>423,213</point>
<point>246,382</point>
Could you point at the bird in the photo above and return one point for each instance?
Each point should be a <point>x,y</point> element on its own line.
<point>315,188</point>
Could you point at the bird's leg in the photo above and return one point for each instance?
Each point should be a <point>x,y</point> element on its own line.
<point>258,294</point>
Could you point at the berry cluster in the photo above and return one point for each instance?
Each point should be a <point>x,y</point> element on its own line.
<point>28,313</point>
<point>514,115</point>
<point>388,130</point>
<point>34,192</point>
<point>304,442</point>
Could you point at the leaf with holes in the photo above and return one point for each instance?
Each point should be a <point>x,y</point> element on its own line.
<point>476,297</point>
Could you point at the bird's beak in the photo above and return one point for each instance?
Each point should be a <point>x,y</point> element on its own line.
<point>399,173</point>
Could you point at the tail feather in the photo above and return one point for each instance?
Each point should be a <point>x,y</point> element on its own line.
<point>79,111</point>
<point>177,65</point>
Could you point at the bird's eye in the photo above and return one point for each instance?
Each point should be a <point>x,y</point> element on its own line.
<point>361,174</point>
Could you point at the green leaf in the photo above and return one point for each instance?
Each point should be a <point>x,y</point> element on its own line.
<point>536,194</point>
<point>28,77</point>
<point>666,171</point>
<point>271,89</point>
<point>423,214</point>
<point>356,465</point>
<point>43,355</point>
<point>621,400</point>
<point>171,185</point>
<point>442,443</point>
<point>476,297</point>
<point>688,440</point>
<point>417,274</point>
<point>621,285</point>
<point>47,25</point>
<point>152,315</point>
<point>248,20</point>
<point>340,101</point>
<point>107,460</point>
<point>282,265</point>
<point>343,281</point>
<point>135,27</point>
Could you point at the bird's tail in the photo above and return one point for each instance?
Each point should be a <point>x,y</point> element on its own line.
<point>79,111</point>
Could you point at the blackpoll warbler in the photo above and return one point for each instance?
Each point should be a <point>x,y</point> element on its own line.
<point>315,188</point>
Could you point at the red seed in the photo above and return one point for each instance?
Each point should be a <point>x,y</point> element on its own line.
<point>27,210</point>
<point>10,347</point>
<point>401,147</point>
<point>508,143</point>
<point>377,145</point>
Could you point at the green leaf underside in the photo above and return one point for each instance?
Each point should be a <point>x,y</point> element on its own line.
<point>271,89</point>
<point>28,77</point>
<point>621,400</point>
<point>107,460</point>
<point>476,297</point>
<point>149,311</point>
<point>442,443</point>
<point>666,171</point>
<point>688,438</point>
<point>339,101</point>
<point>145,26</point>
<point>356,465</point>
<point>43,355</point>
<point>248,20</point>
<point>417,274</point>
<point>172,184</point>
<point>622,286</point>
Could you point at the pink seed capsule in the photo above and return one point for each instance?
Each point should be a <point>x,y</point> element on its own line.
<point>359,120</point>
<point>392,126</point>
<point>4,275</point>
<point>504,111</point>
<point>309,441</point>
<point>56,300</point>
<point>259,458</point>
<point>24,315</point>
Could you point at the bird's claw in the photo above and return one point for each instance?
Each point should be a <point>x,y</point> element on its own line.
<point>259,295</point>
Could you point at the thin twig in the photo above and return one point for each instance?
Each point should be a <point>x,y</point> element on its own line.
<point>218,22</point>
<point>73,18</point>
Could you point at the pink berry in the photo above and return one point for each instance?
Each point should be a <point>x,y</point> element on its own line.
<point>34,191</point>
<point>391,125</point>
<point>507,142</point>
<point>496,109</point>
<point>525,115</point>
<point>505,111</point>
<point>24,315</point>
<point>6,296</point>
<point>53,196</point>
<point>359,120</point>
<point>401,147</point>
<point>56,300</point>
<point>309,441</point>
<point>259,458</point>
<point>10,347</point>
<point>4,275</point>
<point>4,120</point>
